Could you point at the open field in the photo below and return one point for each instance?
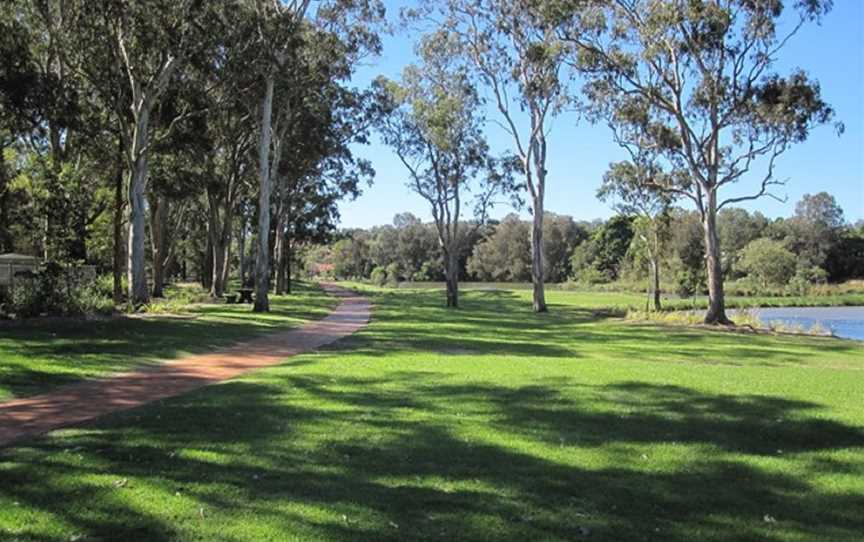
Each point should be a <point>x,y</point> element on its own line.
<point>611,297</point>
<point>486,423</point>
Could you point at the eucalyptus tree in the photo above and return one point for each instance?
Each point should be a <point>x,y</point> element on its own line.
<point>48,104</point>
<point>322,120</point>
<point>177,174</point>
<point>16,75</point>
<point>170,193</point>
<point>432,121</point>
<point>94,60</point>
<point>230,170</point>
<point>229,136</point>
<point>279,26</point>
<point>815,228</point>
<point>630,185</point>
<point>518,57</point>
<point>153,41</point>
<point>277,23</point>
<point>695,81</point>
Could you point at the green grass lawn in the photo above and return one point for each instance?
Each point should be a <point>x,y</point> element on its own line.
<point>619,298</point>
<point>486,423</point>
<point>35,357</point>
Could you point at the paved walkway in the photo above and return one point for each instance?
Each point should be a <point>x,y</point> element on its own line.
<point>77,403</point>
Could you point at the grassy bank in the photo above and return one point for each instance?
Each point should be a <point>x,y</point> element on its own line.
<point>486,423</point>
<point>38,355</point>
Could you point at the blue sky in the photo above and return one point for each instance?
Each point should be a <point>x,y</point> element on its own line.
<point>579,152</point>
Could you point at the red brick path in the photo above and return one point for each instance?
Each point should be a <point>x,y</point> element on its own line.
<point>77,403</point>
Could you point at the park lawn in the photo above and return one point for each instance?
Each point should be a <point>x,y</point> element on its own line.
<point>486,423</point>
<point>36,356</point>
<point>624,300</point>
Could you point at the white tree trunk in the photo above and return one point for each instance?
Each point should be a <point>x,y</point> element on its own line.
<point>537,278</point>
<point>138,292</point>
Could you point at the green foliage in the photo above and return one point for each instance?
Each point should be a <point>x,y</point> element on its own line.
<point>689,282</point>
<point>505,252</point>
<point>737,227</point>
<point>561,235</point>
<point>604,252</point>
<point>57,291</point>
<point>350,257</point>
<point>379,276</point>
<point>845,259</point>
<point>805,278</point>
<point>394,274</point>
<point>591,275</point>
<point>768,262</point>
<point>429,271</point>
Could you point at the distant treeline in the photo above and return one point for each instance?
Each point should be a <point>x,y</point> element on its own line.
<point>814,245</point>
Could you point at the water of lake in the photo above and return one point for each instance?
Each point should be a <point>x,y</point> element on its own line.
<point>846,322</point>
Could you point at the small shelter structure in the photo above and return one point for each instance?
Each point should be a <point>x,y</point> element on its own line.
<point>11,263</point>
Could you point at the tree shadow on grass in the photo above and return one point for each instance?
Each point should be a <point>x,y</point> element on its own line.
<point>502,323</point>
<point>409,456</point>
<point>34,358</point>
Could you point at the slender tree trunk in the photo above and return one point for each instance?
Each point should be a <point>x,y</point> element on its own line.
<point>279,258</point>
<point>6,244</point>
<point>226,267</point>
<point>241,242</point>
<point>119,209</point>
<point>716,298</point>
<point>279,241</point>
<point>262,260</point>
<point>452,279</point>
<point>218,241</point>
<point>217,284</point>
<point>207,265</point>
<point>655,271</point>
<point>288,257</point>
<point>158,235</point>
<point>138,292</point>
<point>537,278</point>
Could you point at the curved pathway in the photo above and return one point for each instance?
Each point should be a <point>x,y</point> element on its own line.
<point>77,403</point>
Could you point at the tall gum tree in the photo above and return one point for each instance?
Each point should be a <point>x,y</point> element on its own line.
<point>279,24</point>
<point>694,80</point>
<point>153,43</point>
<point>629,184</point>
<point>432,122</point>
<point>518,58</point>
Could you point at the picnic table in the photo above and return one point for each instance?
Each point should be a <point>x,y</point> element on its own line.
<point>245,295</point>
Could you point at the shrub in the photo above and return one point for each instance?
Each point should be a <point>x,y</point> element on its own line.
<point>379,276</point>
<point>393,274</point>
<point>104,284</point>
<point>591,275</point>
<point>52,290</point>
<point>688,282</point>
<point>90,300</point>
<point>768,262</point>
<point>805,278</point>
